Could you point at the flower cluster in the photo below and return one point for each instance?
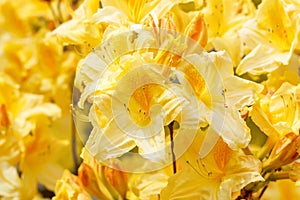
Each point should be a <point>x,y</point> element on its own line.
<point>171,99</point>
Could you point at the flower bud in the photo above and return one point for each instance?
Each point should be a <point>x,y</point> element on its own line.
<point>285,151</point>
<point>197,30</point>
<point>116,179</point>
<point>90,181</point>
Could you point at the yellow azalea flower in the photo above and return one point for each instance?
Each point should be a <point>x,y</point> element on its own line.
<point>101,181</point>
<point>141,117</point>
<point>24,109</point>
<point>88,25</point>
<point>277,112</point>
<point>40,66</point>
<point>24,140</point>
<point>223,20</point>
<point>216,176</point>
<point>17,18</point>
<point>238,93</point>
<point>93,180</point>
<point>285,151</point>
<point>115,114</point>
<point>28,111</point>
<point>281,190</point>
<point>39,153</point>
<point>68,187</point>
<point>286,73</point>
<point>222,16</point>
<point>190,24</point>
<point>137,11</point>
<point>271,41</point>
<point>81,29</point>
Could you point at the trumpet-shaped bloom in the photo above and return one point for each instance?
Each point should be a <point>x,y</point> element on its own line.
<point>223,20</point>
<point>94,179</point>
<point>80,30</point>
<point>216,176</point>
<point>271,39</point>
<point>137,11</point>
<point>277,112</point>
<point>18,19</point>
<point>237,93</point>
<point>133,99</point>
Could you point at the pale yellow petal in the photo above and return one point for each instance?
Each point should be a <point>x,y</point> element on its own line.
<point>138,10</point>
<point>108,143</point>
<point>9,181</point>
<point>237,136</point>
<point>149,185</point>
<point>262,121</point>
<point>188,185</point>
<point>262,59</point>
<point>241,92</point>
<point>243,165</point>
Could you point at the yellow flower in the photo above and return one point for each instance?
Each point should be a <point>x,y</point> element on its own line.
<point>285,151</point>
<point>238,93</point>
<point>285,73</point>
<point>17,18</point>
<point>101,181</point>
<point>277,112</point>
<point>271,39</point>
<point>223,20</point>
<point>124,83</point>
<point>24,140</point>
<point>93,180</point>
<point>282,190</point>
<point>81,29</point>
<point>216,176</point>
<point>125,112</point>
<point>9,181</point>
<point>137,11</point>
<point>68,187</point>
<point>39,155</point>
<point>40,66</point>
<point>88,25</point>
<point>190,24</point>
<point>23,109</point>
<point>116,179</point>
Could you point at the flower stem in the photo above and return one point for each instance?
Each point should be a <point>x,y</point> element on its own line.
<point>74,145</point>
<point>247,151</point>
<point>171,128</point>
<point>279,176</point>
<point>266,148</point>
<point>262,191</point>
